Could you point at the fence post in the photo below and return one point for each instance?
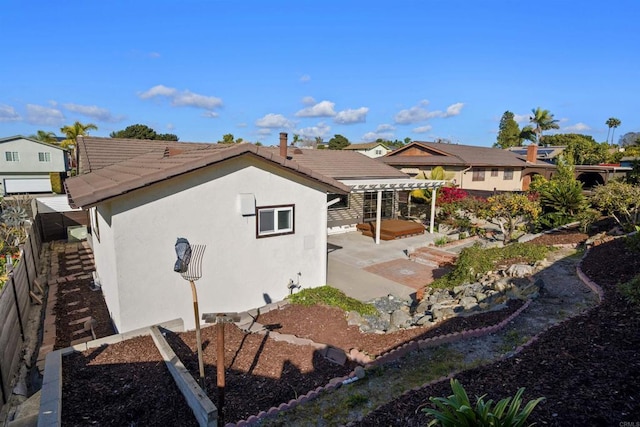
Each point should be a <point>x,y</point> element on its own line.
<point>32,236</point>
<point>15,297</point>
<point>26,269</point>
<point>2,390</point>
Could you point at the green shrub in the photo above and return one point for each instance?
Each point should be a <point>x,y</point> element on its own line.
<point>332,297</point>
<point>475,261</point>
<point>441,241</point>
<point>456,410</point>
<point>631,290</point>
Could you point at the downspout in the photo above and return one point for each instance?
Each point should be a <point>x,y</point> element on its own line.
<point>462,175</point>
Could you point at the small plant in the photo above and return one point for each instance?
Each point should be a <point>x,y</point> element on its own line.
<point>456,410</point>
<point>631,290</point>
<point>356,400</point>
<point>332,297</point>
<point>441,241</point>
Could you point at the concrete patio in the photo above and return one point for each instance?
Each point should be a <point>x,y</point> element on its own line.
<point>364,270</point>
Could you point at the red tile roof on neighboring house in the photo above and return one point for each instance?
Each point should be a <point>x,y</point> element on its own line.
<point>113,168</point>
<point>436,153</point>
<point>340,164</point>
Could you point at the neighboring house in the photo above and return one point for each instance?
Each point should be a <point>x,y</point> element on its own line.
<point>548,154</point>
<point>469,167</point>
<point>369,149</point>
<point>262,217</point>
<point>26,164</point>
<point>372,183</point>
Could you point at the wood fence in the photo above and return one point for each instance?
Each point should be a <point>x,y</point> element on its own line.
<point>15,307</point>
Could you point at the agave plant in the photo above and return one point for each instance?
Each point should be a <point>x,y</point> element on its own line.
<point>457,410</point>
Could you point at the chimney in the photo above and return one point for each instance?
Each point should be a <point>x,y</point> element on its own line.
<point>283,144</point>
<point>532,153</point>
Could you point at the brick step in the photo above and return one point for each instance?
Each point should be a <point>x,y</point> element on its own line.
<point>430,256</point>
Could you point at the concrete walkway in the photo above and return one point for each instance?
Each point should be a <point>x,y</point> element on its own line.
<point>351,253</point>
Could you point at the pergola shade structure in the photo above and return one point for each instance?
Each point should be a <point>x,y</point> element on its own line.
<point>399,184</point>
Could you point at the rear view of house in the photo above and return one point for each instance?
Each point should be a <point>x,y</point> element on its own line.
<point>262,217</point>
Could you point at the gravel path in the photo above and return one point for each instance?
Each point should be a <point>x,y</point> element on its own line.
<point>564,295</point>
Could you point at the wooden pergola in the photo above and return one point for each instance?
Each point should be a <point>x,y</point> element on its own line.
<point>400,184</point>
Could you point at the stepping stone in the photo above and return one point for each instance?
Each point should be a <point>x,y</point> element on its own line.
<point>64,292</point>
<point>334,355</point>
<point>80,310</point>
<point>71,304</point>
<point>77,322</point>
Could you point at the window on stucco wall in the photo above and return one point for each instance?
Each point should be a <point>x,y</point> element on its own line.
<point>478,175</point>
<point>508,174</point>
<point>494,172</point>
<point>275,220</point>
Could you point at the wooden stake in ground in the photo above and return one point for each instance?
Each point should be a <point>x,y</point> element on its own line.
<point>198,339</point>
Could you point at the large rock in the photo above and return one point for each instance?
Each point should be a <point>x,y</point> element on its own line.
<point>468,303</point>
<point>399,319</point>
<point>519,270</point>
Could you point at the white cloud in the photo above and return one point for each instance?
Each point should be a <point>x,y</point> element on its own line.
<point>39,115</point>
<point>210,114</point>
<point>412,115</point>
<point>92,111</point>
<point>305,78</point>
<point>308,100</point>
<point>374,136</point>
<point>183,98</point>
<point>522,118</point>
<point>264,132</point>
<point>422,129</point>
<point>8,114</point>
<point>274,121</point>
<point>454,109</point>
<point>311,132</point>
<point>578,127</point>
<point>419,113</point>
<point>242,125</point>
<point>385,127</point>
<point>321,109</point>
<point>359,115</point>
<point>171,126</point>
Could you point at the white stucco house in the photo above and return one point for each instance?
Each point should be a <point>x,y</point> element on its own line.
<point>26,164</point>
<point>262,217</point>
<point>369,149</point>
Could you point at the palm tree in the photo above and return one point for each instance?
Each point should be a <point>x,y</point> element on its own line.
<point>543,120</point>
<point>48,137</point>
<point>527,134</point>
<point>75,130</point>
<point>612,122</point>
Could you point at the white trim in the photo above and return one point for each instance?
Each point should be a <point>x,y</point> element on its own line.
<point>400,184</point>
<point>276,212</point>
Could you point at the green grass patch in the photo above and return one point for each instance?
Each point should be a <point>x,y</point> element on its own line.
<point>332,297</point>
<point>475,261</point>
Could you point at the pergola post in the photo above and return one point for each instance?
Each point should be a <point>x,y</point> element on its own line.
<point>433,209</point>
<point>378,216</point>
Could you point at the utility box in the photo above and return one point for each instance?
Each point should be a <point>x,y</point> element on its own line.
<point>76,233</point>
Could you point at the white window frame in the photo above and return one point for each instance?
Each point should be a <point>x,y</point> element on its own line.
<point>44,156</point>
<point>12,156</point>
<point>274,229</point>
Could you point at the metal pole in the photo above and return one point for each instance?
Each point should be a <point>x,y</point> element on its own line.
<point>433,209</point>
<point>220,366</point>
<point>378,216</point>
<point>198,339</point>
<point>15,296</point>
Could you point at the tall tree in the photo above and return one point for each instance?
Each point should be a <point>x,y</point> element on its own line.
<point>508,133</point>
<point>527,134</point>
<point>296,139</point>
<point>612,122</point>
<point>338,142</point>
<point>44,136</point>
<point>228,138</point>
<point>581,149</point>
<point>139,131</point>
<point>72,132</point>
<point>543,120</point>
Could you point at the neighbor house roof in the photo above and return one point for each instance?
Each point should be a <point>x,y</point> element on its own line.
<point>16,137</point>
<point>340,164</point>
<point>111,173</point>
<point>435,153</point>
<point>364,146</point>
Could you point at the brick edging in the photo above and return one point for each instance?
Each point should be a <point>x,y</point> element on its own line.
<point>583,278</point>
<point>382,359</point>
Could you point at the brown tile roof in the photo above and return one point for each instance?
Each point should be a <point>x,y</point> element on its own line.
<point>109,178</point>
<point>364,146</point>
<point>340,164</point>
<point>468,155</point>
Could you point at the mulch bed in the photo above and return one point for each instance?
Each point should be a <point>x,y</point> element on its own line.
<point>127,383</point>
<point>588,368</point>
<point>329,325</point>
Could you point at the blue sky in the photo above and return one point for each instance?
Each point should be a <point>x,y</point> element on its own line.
<point>362,69</point>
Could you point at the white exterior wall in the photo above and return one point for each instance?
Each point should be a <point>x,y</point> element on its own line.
<point>28,153</point>
<point>135,256</point>
<point>371,152</point>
